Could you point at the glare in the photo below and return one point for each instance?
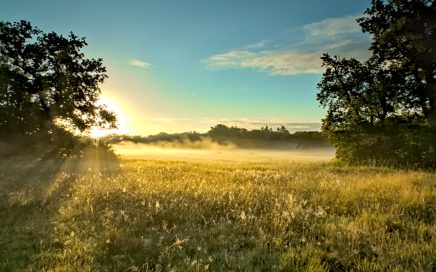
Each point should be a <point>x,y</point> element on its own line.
<point>114,107</point>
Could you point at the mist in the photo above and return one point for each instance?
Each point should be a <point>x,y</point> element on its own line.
<point>207,149</point>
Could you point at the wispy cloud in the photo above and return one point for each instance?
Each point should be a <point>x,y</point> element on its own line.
<point>140,64</point>
<point>256,123</point>
<point>258,45</point>
<point>175,124</point>
<point>340,36</point>
<point>276,63</point>
<point>332,27</point>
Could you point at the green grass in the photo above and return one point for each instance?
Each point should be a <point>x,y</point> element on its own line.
<point>162,215</point>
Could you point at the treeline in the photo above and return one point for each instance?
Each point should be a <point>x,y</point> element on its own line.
<point>265,137</point>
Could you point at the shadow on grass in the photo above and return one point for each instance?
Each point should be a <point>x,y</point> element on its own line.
<point>31,193</point>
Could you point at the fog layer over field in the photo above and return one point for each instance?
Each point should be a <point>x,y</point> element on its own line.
<point>210,150</point>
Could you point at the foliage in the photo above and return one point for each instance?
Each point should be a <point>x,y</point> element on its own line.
<point>265,137</point>
<point>164,215</point>
<point>384,109</point>
<point>47,86</point>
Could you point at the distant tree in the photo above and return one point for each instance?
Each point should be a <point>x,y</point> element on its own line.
<point>47,85</point>
<point>283,130</point>
<point>385,108</point>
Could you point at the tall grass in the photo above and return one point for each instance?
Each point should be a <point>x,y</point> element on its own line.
<point>161,215</point>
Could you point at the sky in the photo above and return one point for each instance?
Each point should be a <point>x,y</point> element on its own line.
<point>178,66</point>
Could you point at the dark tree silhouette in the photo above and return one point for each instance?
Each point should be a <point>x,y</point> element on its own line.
<point>384,109</point>
<point>404,40</point>
<point>47,85</point>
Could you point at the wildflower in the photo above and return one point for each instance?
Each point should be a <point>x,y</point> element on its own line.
<point>243,216</point>
<point>320,212</point>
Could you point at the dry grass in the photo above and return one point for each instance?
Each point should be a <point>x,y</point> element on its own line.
<point>162,215</point>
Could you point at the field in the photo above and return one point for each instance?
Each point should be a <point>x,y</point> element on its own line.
<point>157,213</point>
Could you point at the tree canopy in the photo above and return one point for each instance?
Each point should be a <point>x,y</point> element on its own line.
<point>384,108</point>
<point>47,84</point>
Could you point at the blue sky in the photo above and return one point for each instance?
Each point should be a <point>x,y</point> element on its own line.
<point>186,65</point>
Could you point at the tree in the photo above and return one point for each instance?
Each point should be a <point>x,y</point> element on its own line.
<point>384,108</point>
<point>404,39</point>
<point>47,85</point>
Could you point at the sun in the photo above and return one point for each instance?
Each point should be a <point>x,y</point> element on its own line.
<point>114,107</point>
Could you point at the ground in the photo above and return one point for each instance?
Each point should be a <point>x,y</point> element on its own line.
<point>183,214</point>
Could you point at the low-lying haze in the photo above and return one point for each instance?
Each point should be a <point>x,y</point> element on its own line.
<point>208,150</point>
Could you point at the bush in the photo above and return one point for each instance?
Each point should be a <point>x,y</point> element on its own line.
<point>395,145</point>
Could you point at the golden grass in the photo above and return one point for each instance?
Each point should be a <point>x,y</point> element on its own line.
<point>168,215</point>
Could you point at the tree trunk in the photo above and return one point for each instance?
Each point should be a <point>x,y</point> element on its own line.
<point>431,92</point>
<point>432,112</point>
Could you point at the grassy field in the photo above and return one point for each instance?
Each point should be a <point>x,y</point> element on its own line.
<point>196,215</point>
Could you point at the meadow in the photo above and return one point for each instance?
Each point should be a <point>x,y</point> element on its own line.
<point>157,213</point>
